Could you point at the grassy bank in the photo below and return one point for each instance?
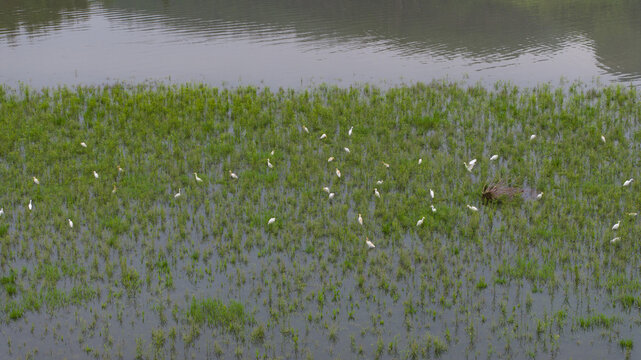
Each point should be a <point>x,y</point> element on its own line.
<point>204,273</point>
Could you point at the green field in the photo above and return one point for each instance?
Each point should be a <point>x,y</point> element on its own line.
<point>143,273</point>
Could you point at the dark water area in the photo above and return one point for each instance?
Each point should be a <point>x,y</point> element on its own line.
<point>302,43</point>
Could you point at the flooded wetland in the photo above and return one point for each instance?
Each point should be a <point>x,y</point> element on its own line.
<point>297,180</point>
<point>164,263</point>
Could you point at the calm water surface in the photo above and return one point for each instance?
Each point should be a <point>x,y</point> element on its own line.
<point>298,43</point>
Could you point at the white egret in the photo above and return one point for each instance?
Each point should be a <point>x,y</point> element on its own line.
<point>326,189</point>
<point>378,195</point>
<point>420,222</point>
<point>628,182</point>
<point>95,174</point>
<point>1,211</point>
<point>114,190</point>
<point>120,169</point>
<point>323,136</point>
<point>473,208</point>
<point>269,164</point>
<point>433,208</point>
<point>470,165</point>
<point>369,243</point>
<point>305,128</point>
<point>346,150</point>
<point>330,159</point>
<point>83,144</point>
<point>385,164</point>
<point>338,173</point>
<point>35,180</point>
<point>349,133</point>
<point>616,226</point>
<point>379,182</point>
<point>271,221</point>
<point>603,138</point>
<point>532,137</point>
<point>615,240</point>
<point>233,175</point>
<point>539,195</point>
<point>331,196</point>
<point>432,193</point>
<point>420,161</point>
<point>30,206</point>
<point>632,214</point>
<point>197,178</point>
<point>494,157</point>
<point>360,219</point>
<point>272,153</point>
<point>70,223</point>
<point>177,195</point>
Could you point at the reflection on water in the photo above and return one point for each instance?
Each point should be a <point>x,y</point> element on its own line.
<point>286,43</point>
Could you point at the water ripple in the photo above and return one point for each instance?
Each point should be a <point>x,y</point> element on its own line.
<point>371,39</point>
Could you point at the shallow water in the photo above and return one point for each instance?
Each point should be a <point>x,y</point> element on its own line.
<point>295,44</point>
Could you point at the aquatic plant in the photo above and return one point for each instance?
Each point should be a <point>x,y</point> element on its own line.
<point>207,273</point>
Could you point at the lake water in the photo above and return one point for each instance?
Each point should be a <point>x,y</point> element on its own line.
<point>300,43</point>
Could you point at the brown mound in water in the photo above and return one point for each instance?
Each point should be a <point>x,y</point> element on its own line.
<point>499,191</point>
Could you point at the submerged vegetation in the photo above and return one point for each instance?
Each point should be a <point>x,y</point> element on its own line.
<point>125,253</point>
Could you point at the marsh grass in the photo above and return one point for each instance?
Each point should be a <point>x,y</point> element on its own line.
<point>204,274</point>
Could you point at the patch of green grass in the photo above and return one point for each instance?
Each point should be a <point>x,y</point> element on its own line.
<point>598,320</point>
<point>215,313</point>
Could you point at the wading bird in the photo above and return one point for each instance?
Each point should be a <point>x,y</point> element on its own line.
<point>360,219</point>
<point>420,161</point>
<point>272,153</point>
<point>626,183</point>
<point>1,211</point>
<point>233,175</point>
<point>120,169</point>
<point>369,243</point>
<point>323,136</point>
<point>330,159</point>
<point>494,157</point>
<point>346,150</point>
<point>349,133</point>
<point>616,226</point>
<point>532,137</point>
<point>432,193</point>
<point>35,180</point>
<point>326,189</point>
<point>30,206</point>
<point>378,195</point>
<point>305,129</point>
<point>379,182</point>
<point>420,222</point>
<point>385,164</point>
<point>177,195</point>
<point>615,240</point>
<point>114,190</point>
<point>539,195</point>
<point>470,165</point>
<point>433,208</point>
<point>95,174</point>
<point>271,221</point>
<point>83,144</point>
<point>473,208</point>
<point>201,180</point>
<point>331,196</point>
<point>632,214</point>
<point>603,138</point>
<point>269,164</point>
<point>70,223</point>
<point>338,173</point>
